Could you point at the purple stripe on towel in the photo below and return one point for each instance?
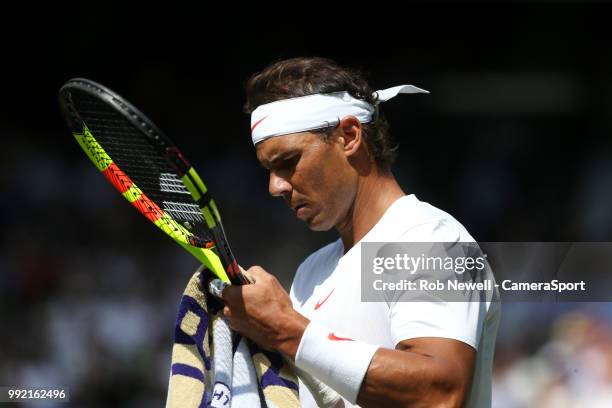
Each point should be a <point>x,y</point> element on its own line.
<point>180,337</point>
<point>187,371</point>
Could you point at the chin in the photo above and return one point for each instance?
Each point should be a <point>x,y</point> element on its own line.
<point>318,225</point>
<point>314,227</point>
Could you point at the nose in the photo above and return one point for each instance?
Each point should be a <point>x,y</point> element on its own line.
<point>278,186</point>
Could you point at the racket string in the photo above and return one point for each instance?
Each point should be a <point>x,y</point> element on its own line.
<point>146,165</point>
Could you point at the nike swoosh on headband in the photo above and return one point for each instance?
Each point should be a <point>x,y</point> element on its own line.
<point>258,122</point>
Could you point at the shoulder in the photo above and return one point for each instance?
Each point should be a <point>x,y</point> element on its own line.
<point>411,219</point>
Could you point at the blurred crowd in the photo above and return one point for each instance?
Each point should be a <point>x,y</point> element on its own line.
<point>89,288</point>
<point>570,365</point>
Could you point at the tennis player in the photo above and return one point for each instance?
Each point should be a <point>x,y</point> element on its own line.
<point>317,128</point>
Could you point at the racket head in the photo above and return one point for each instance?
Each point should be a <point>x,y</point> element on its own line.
<point>148,170</point>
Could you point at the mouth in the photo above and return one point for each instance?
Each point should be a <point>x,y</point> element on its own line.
<point>299,209</point>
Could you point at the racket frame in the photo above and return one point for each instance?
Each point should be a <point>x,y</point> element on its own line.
<point>215,254</point>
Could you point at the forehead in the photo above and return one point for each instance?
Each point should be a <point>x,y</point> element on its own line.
<point>278,145</point>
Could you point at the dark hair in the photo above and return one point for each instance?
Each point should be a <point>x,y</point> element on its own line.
<point>296,77</point>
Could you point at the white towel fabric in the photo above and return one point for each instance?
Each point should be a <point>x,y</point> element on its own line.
<point>244,382</point>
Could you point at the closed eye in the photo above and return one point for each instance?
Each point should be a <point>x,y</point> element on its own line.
<point>284,162</point>
<point>287,163</point>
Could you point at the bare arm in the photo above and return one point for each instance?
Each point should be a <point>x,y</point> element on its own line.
<point>427,371</point>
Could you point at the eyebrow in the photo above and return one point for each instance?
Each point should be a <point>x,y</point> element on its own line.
<point>278,157</point>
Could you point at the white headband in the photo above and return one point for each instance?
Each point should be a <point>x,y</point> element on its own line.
<point>316,112</point>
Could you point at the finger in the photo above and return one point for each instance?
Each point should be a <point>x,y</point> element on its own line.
<point>231,294</point>
<point>257,272</point>
<point>248,275</point>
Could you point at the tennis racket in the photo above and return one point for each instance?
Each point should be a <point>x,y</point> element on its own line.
<point>147,168</point>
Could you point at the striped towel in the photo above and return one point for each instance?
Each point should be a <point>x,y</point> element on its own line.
<point>212,367</point>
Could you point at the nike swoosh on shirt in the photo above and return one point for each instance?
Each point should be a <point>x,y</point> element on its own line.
<point>320,302</point>
<point>332,336</point>
<point>258,122</point>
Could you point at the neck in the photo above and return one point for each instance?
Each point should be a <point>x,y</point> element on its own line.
<point>375,194</point>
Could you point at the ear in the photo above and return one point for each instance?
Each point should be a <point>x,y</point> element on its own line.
<point>351,134</point>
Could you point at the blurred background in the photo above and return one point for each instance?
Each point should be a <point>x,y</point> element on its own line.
<point>514,141</point>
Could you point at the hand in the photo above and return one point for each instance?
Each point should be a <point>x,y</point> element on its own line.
<point>262,311</point>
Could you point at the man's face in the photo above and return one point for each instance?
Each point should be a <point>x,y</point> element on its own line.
<point>313,175</point>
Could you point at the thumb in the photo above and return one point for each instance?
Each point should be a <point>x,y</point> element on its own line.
<point>247,274</point>
<point>257,274</point>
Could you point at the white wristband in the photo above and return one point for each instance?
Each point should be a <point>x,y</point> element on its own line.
<point>339,362</point>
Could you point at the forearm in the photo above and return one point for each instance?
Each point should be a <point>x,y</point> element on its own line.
<point>289,336</point>
<point>373,376</point>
